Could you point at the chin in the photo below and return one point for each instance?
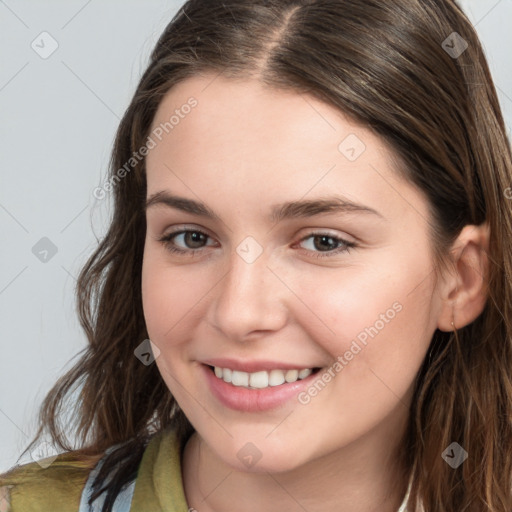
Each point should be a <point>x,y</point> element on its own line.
<point>271,464</point>
<point>260,455</point>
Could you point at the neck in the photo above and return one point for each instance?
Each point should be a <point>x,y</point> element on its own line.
<point>364,476</point>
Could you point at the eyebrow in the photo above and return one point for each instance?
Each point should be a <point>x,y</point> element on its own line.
<point>278,212</point>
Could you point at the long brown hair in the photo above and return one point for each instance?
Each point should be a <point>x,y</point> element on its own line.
<point>401,68</point>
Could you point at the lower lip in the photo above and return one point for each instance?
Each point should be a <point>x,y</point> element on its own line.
<point>254,400</point>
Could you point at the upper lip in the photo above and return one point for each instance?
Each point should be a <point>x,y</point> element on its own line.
<point>254,366</point>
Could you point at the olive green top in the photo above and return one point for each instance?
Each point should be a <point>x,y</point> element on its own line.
<point>58,488</point>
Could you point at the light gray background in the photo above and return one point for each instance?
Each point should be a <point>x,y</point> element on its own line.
<point>57,123</point>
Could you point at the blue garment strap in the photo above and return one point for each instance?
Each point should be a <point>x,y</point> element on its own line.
<point>123,500</point>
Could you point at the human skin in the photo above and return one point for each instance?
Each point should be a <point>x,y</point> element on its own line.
<point>243,149</point>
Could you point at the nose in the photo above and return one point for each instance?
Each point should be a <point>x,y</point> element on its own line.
<point>250,299</point>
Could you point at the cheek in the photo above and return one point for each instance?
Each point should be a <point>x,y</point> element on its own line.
<point>158,296</point>
<point>372,316</point>
<point>382,329</point>
<point>171,297</point>
<point>166,299</point>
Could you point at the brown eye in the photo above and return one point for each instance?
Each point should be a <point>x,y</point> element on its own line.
<point>328,244</point>
<point>192,240</point>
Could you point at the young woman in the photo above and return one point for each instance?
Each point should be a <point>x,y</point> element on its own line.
<point>312,225</point>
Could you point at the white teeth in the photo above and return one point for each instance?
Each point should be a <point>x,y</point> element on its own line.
<point>258,380</point>
<point>304,373</point>
<point>276,377</point>
<point>240,378</point>
<point>291,375</point>
<point>261,379</point>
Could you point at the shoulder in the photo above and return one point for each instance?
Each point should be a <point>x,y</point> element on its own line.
<point>57,487</point>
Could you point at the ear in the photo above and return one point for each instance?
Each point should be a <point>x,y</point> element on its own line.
<point>464,291</point>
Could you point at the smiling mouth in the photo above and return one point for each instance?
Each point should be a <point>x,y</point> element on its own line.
<point>261,379</point>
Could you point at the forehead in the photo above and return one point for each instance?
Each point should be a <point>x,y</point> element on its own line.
<point>231,109</point>
<point>251,143</point>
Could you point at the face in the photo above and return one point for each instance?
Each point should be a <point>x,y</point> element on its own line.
<point>239,287</point>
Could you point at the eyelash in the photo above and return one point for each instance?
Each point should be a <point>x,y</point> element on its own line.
<point>166,240</point>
